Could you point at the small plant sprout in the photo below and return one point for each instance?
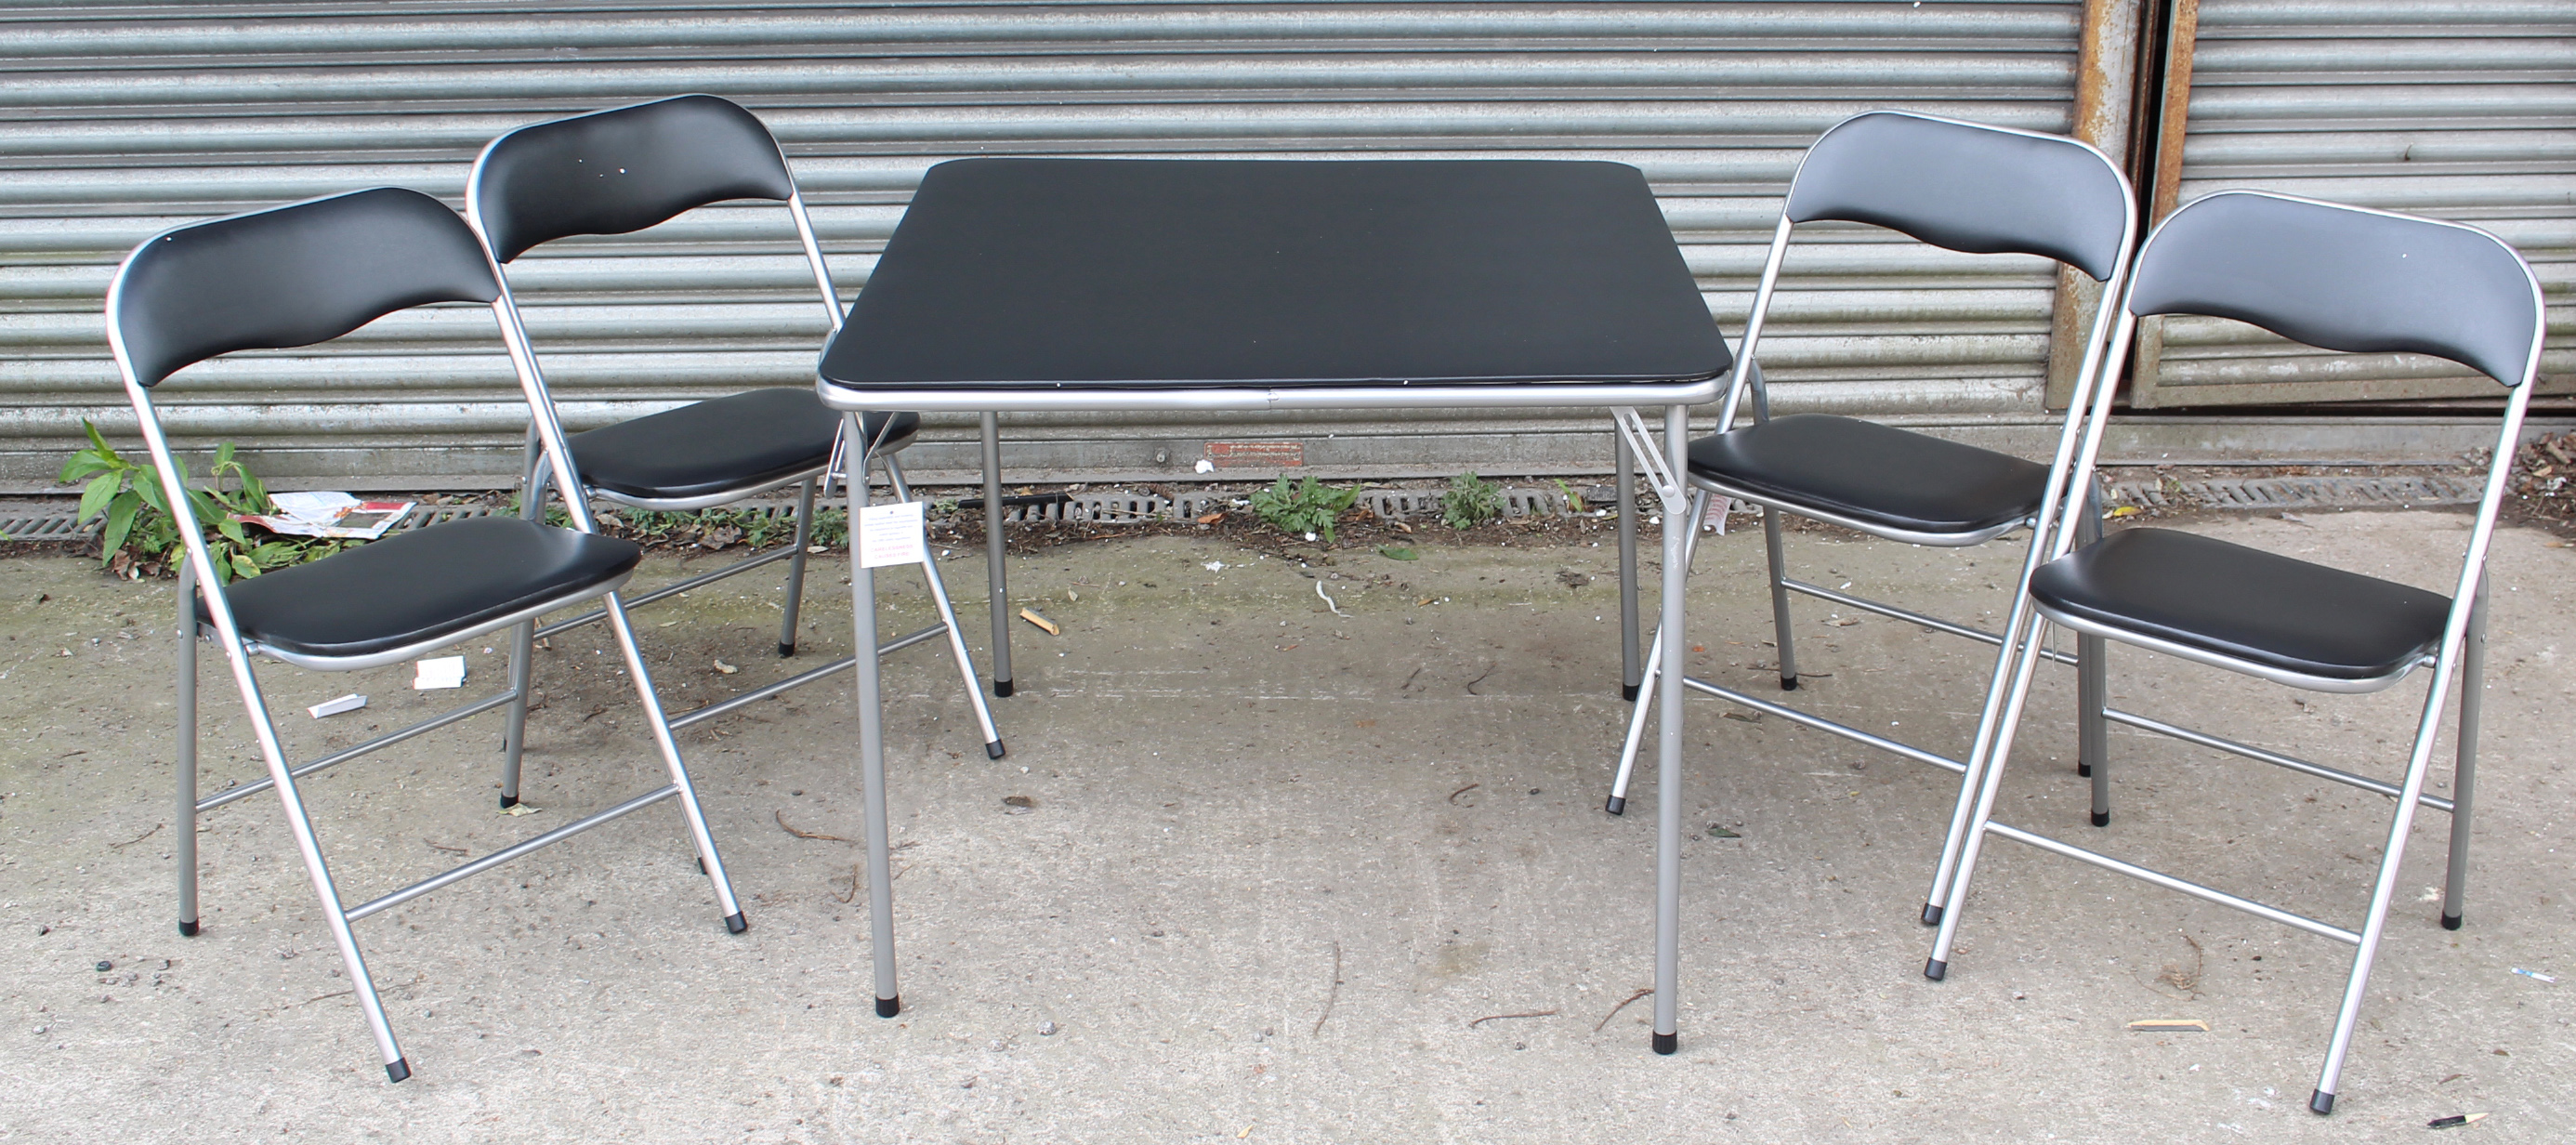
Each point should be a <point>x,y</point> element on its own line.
<point>1308,508</point>
<point>1470,501</point>
<point>1573,500</point>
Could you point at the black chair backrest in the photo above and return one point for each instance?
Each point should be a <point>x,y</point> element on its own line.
<point>1966,187</point>
<point>622,170</point>
<point>2345,278</point>
<point>290,276</point>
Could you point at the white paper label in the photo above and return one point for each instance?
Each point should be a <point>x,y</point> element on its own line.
<point>442,672</point>
<point>892,534</point>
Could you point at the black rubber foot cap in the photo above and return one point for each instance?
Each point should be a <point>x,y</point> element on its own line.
<point>2321,1102</point>
<point>1935,969</point>
<point>397,1069</point>
<point>1788,683</point>
<point>1617,805</point>
<point>189,929</point>
<point>736,924</point>
<point>2101,818</point>
<point>2084,771</point>
<point>2449,922</point>
<point>1628,692</point>
<point>785,649</point>
<point>889,1007</point>
<point>1668,1044</point>
<point>509,801</point>
<point>993,750</point>
<point>1931,915</point>
<point>1002,688</point>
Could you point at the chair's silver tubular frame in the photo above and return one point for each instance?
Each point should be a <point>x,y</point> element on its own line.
<point>536,477</point>
<point>2462,652</point>
<point>197,576</point>
<point>2076,495</point>
<point>1676,397</point>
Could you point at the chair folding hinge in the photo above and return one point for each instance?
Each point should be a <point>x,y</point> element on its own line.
<point>833,472</point>
<point>1641,444</point>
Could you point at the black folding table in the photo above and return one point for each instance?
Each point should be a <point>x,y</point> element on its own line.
<point>1108,284</point>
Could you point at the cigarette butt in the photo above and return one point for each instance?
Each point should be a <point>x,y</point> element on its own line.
<point>1212,518</point>
<point>1041,622</point>
<point>2455,1121</point>
<point>2170,1024</point>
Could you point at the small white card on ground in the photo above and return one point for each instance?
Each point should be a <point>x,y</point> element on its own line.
<point>892,534</point>
<point>443,672</point>
<point>348,703</point>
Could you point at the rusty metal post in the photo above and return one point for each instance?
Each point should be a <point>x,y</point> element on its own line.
<point>2106,88</point>
<point>2162,192</point>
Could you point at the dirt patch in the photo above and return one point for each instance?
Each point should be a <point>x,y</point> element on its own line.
<point>2539,493</point>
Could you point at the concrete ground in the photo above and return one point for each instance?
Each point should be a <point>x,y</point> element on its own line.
<point>1288,875</point>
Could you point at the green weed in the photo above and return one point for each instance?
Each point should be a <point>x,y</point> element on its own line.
<point>1308,508</point>
<point>1470,501</point>
<point>141,536</point>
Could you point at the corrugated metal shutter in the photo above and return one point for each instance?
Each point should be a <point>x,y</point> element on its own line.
<point>2463,109</point>
<point>124,119</point>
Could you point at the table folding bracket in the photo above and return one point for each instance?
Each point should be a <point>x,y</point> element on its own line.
<point>1650,457</point>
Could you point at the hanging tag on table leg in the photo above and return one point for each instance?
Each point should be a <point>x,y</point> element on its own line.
<point>892,534</point>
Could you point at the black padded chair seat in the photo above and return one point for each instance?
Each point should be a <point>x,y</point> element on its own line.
<point>1894,478</point>
<point>2224,598</point>
<point>746,442</point>
<point>414,587</point>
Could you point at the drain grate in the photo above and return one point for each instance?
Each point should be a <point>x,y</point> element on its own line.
<point>428,515</point>
<point>2299,492</point>
<point>1393,504</point>
<point>46,527</point>
<point>1115,507</point>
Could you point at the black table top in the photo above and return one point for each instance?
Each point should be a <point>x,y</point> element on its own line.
<point>1022,273</point>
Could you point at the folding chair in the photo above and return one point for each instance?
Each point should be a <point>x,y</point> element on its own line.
<point>294,276</point>
<point>625,169</point>
<point>2336,278</point>
<point>1965,187</point>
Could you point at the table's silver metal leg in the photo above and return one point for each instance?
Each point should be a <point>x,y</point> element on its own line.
<point>1668,764</point>
<point>996,579</point>
<point>863,623</point>
<point>1663,468</point>
<point>1623,477</point>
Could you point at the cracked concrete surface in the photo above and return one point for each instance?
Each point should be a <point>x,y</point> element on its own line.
<point>1280,875</point>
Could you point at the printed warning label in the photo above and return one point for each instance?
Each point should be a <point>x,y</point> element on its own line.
<point>891,535</point>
